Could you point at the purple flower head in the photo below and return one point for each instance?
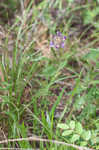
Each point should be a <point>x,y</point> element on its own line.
<point>58,40</point>
<point>51,44</point>
<point>64,38</point>
<point>62,45</point>
<point>59,33</point>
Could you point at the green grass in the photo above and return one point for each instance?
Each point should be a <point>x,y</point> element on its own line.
<point>35,85</point>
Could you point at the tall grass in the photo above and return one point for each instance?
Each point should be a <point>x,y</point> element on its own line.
<point>34,85</point>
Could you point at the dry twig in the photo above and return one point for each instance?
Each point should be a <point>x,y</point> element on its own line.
<point>35,138</point>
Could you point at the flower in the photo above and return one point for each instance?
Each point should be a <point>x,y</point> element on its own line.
<point>59,33</point>
<point>51,44</point>
<point>62,45</point>
<point>58,41</point>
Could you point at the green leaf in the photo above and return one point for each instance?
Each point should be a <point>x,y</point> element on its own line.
<point>63,126</point>
<point>84,143</point>
<point>95,140</point>
<point>92,55</point>
<point>70,1</point>
<point>49,71</point>
<point>97,125</point>
<point>94,82</point>
<point>88,17</point>
<point>57,102</point>
<point>74,138</point>
<point>86,135</point>
<point>79,128</point>
<point>23,133</point>
<point>72,124</point>
<point>67,132</point>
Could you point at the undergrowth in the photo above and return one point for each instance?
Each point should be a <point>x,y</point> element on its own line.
<point>50,95</point>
